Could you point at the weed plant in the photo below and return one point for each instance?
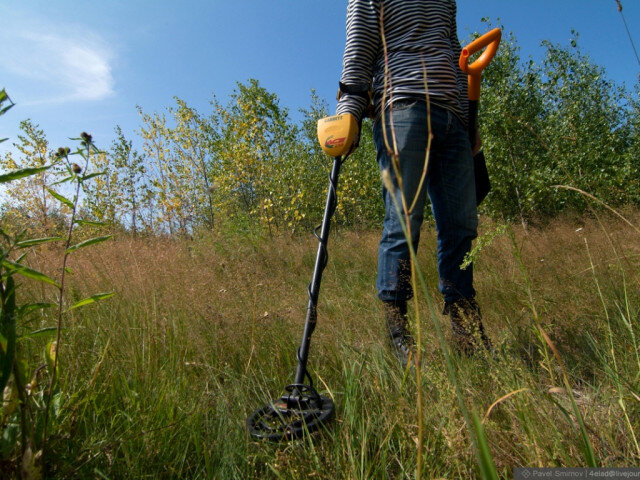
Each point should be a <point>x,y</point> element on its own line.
<point>32,399</point>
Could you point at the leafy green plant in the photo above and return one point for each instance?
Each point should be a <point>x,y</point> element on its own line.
<point>32,394</point>
<point>560,121</point>
<point>4,98</point>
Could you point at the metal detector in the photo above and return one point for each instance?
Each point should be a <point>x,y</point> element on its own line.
<point>301,408</point>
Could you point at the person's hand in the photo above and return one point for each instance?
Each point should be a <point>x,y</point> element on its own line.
<point>356,139</point>
<point>354,144</point>
<point>477,144</point>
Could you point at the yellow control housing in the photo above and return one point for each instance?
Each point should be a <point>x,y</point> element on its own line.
<point>336,134</point>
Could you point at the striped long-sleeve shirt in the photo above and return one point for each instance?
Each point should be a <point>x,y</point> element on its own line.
<point>417,35</point>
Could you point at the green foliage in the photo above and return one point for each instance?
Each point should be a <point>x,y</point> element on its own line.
<point>86,243</point>
<point>560,122</point>
<point>28,179</point>
<point>257,150</point>
<point>21,173</point>
<point>485,458</point>
<point>7,331</point>
<point>178,186</point>
<point>4,98</point>
<point>32,393</point>
<point>119,197</point>
<point>193,139</point>
<point>245,165</point>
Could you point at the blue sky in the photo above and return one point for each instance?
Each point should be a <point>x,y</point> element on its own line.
<point>74,66</point>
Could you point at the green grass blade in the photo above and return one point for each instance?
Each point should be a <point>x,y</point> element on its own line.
<point>586,444</point>
<point>86,243</point>
<point>8,331</point>
<point>22,257</point>
<point>589,454</point>
<point>89,222</point>
<point>24,310</point>
<point>29,273</point>
<point>37,241</point>
<point>60,198</point>
<point>43,332</point>
<point>92,299</point>
<point>21,173</point>
<point>92,175</point>
<point>487,466</point>
<point>3,98</point>
<point>64,180</point>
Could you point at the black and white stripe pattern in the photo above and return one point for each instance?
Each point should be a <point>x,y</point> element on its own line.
<point>419,35</point>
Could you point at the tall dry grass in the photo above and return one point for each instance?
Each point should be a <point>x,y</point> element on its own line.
<point>160,378</point>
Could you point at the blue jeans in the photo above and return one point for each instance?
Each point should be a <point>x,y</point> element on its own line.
<point>451,189</point>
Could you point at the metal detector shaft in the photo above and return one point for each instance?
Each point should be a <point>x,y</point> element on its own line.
<point>321,263</point>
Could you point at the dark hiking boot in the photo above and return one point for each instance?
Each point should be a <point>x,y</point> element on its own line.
<point>466,322</point>
<point>400,338</point>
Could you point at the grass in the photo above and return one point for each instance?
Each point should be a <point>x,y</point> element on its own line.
<point>160,378</point>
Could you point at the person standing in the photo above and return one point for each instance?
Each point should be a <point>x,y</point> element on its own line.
<point>398,53</point>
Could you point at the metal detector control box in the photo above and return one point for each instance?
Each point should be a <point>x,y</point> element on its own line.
<point>336,134</point>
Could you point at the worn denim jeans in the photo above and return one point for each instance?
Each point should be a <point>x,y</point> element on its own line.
<point>451,189</point>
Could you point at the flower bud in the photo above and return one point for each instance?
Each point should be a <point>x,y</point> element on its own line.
<point>75,168</point>
<point>62,152</point>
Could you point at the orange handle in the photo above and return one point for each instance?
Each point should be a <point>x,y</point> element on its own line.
<point>490,40</point>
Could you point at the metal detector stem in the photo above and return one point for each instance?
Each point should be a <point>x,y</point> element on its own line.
<point>321,263</point>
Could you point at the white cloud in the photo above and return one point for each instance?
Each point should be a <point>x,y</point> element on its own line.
<point>74,65</point>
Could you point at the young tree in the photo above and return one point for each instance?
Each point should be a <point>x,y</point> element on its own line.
<point>29,205</point>
<point>193,140</point>
<point>119,196</point>
<point>255,137</point>
<point>132,171</point>
<point>103,197</point>
<point>560,122</point>
<point>166,183</point>
<point>587,123</point>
